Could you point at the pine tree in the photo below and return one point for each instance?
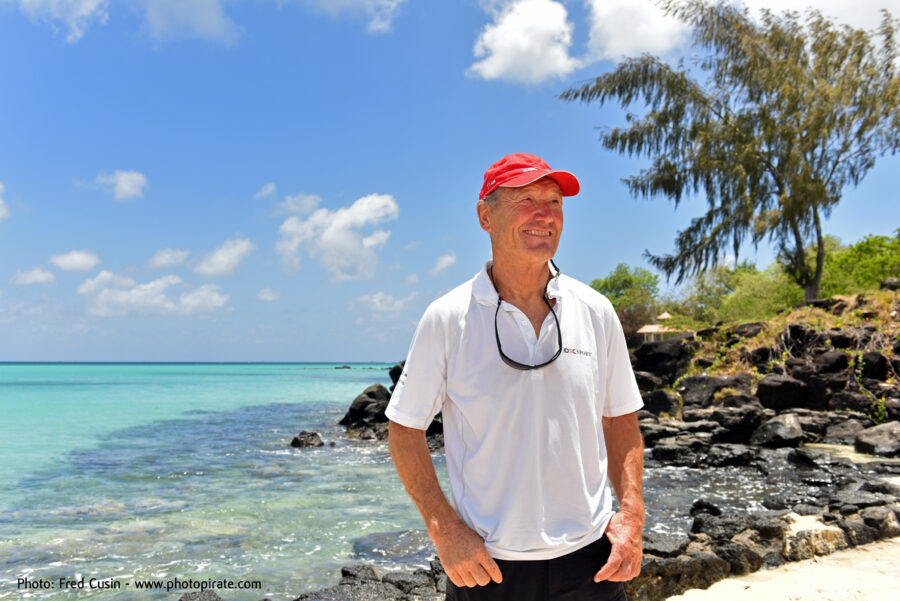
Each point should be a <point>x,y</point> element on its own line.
<point>772,121</point>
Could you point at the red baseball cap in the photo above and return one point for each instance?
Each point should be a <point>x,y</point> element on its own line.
<point>520,169</point>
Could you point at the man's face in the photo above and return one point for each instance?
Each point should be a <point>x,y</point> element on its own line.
<point>525,223</point>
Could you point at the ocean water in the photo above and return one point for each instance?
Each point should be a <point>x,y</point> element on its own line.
<point>134,472</point>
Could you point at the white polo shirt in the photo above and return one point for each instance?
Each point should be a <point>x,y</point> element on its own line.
<point>525,450</point>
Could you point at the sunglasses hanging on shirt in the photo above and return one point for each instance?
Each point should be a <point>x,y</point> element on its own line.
<point>512,362</point>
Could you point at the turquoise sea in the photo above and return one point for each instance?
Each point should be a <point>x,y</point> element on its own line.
<point>132,472</point>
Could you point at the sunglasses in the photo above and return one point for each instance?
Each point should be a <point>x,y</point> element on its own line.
<point>512,362</point>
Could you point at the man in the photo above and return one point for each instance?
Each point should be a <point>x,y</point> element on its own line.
<point>531,371</point>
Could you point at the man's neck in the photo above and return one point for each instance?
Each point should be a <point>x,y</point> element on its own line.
<point>520,284</point>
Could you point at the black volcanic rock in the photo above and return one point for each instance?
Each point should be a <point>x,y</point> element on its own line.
<point>874,365</point>
<point>844,432</point>
<point>206,595</point>
<point>841,338</point>
<point>781,392</point>
<point>307,439</point>
<point>729,455</point>
<point>748,330</point>
<point>395,372</point>
<point>661,401</point>
<point>741,559</point>
<point>780,431</point>
<point>738,422</point>
<point>760,357</point>
<point>890,284</point>
<point>654,432</point>
<point>832,361</point>
<point>360,591</point>
<point>681,450</point>
<point>665,545</point>
<point>883,440</point>
<point>646,381</point>
<point>368,407</point>
<point>704,506</point>
<point>666,359</point>
<point>798,337</point>
<point>848,400</point>
<point>699,390</point>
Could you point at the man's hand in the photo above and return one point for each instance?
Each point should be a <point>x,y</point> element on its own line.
<point>461,549</point>
<point>465,558</point>
<point>624,563</point>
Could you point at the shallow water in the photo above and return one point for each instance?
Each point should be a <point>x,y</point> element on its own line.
<point>183,472</point>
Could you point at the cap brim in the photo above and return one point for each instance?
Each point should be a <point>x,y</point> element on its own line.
<point>568,183</point>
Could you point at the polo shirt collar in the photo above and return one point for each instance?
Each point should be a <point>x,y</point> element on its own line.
<point>483,289</point>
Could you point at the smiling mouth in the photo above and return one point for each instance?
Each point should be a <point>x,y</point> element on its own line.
<point>537,233</point>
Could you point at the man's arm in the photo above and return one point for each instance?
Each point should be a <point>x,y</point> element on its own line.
<point>461,549</point>
<point>625,453</point>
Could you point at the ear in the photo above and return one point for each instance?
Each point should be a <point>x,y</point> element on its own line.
<point>484,216</point>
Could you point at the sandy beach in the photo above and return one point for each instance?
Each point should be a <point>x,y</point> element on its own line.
<point>867,573</point>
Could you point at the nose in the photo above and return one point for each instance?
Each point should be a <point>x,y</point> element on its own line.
<point>545,210</point>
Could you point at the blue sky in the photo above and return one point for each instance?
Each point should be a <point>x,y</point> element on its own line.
<point>259,180</point>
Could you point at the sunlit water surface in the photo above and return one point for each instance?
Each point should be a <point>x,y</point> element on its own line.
<point>137,472</point>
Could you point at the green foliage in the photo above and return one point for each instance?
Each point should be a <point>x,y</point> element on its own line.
<point>878,411</point>
<point>759,295</point>
<point>632,292</point>
<point>861,266</point>
<point>724,392</point>
<point>789,114</point>
<point>733,294</point>
<point>624,278</point>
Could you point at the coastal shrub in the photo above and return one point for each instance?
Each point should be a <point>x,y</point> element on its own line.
<point>724,392</point>
<point>632,292</point>
<point>861,266</point>
<point>732,294</point>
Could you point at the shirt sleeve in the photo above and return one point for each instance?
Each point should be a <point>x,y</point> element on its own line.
<point>420,390</point>
<point>622,393</point>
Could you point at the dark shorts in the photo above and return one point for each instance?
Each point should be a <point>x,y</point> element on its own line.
<point>566,578</point>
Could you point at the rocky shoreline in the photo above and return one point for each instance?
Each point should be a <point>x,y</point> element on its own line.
<point>800,387</point>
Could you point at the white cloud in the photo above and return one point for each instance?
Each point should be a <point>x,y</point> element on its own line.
<point>204,299</point>
<point>442,263</point>
<point>167,19</point>
<point>104,279</point>
<point>528,42</point>
<point>110,295</point>
<point>4,211</point>
<point>377,239</point>
<point>412,279</point>
<point>168,256</point>
<point>865,14</point>
<point>382,302</point>
<point>622,28</point>
<point>206,19</point>
<point>226,258</point>
<point>265,191</point>
<point>35,275</point>
<point>332,237</point>
<point>299,204</point>
<point>75,15</point>
<point>163,19</point>
<point>76,260</point>
<point>124,184</point>
<point>268,295</point>
<point>380,13</point>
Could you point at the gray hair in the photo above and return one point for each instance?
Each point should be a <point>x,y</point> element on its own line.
<point>492,198</point>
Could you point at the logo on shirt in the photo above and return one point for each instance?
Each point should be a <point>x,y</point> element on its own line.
<point>575,351</point>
